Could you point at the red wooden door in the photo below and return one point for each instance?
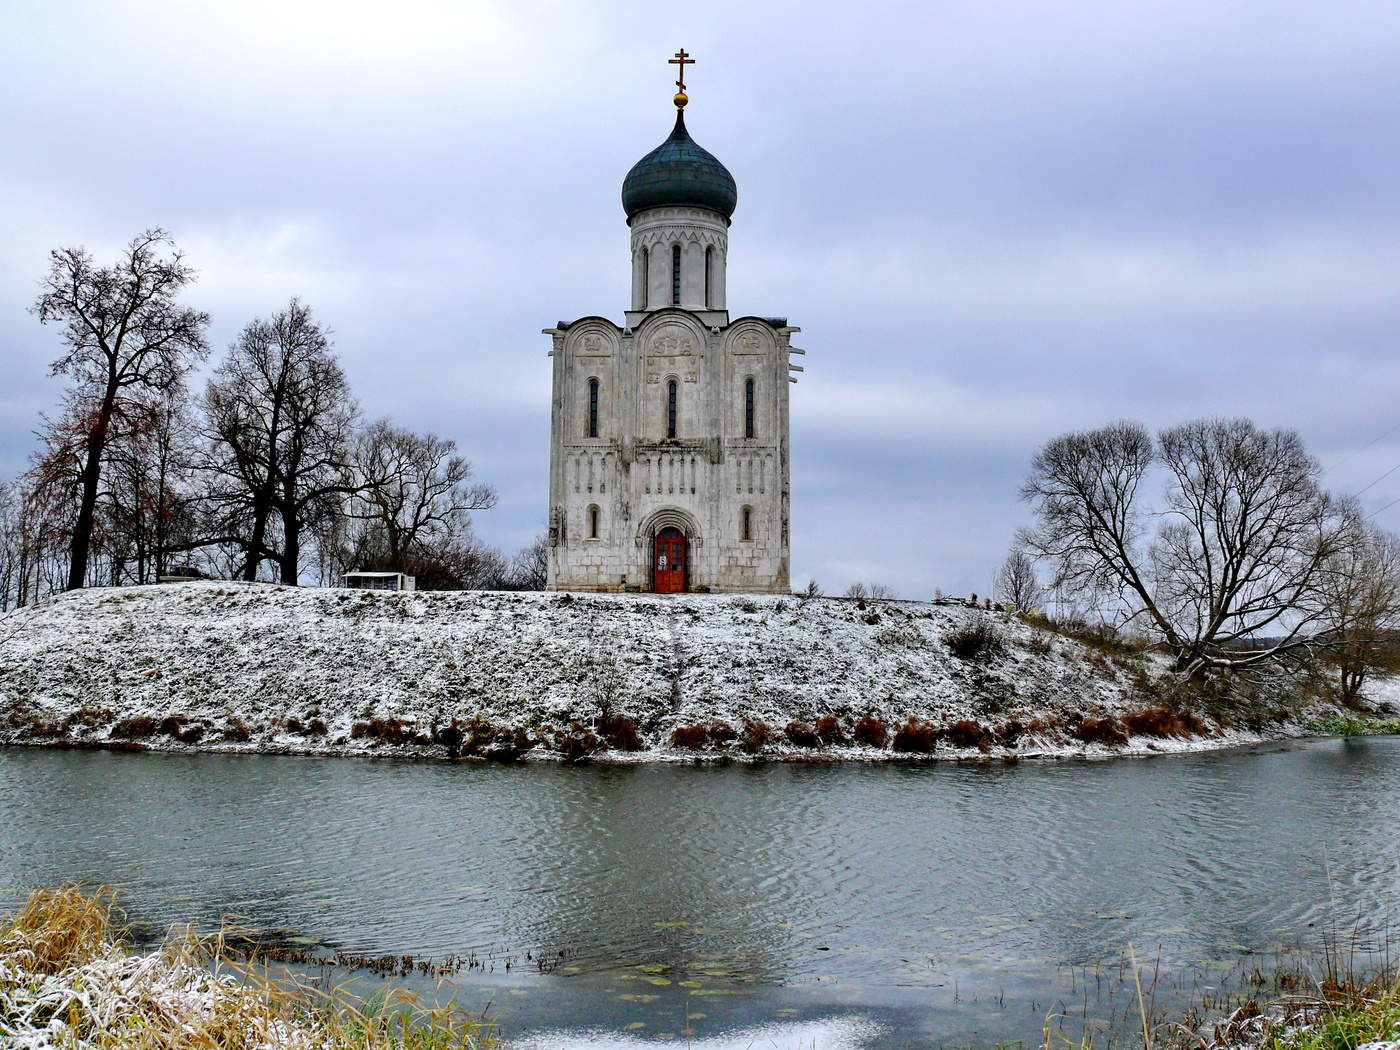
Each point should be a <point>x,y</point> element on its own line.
<point>668,566</point>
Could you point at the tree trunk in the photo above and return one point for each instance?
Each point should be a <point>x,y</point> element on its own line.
<point>291,547</point>
<point>87,508</point>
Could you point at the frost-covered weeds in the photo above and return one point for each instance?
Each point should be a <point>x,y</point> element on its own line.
<point>493,675</point>
<point>68,982</point>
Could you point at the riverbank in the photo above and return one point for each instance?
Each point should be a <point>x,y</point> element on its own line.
<point>218,666</point>
<point>68,980</point>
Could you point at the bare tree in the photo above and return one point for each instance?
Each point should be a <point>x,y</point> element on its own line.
<point>416,489</point>
<point>529,569</point>
<point>1363,611</point>
<point>281,422</point>
<point>1243,539</point>
<point>875,591</point>
<point>125,334</point>
<point>1017,583</point>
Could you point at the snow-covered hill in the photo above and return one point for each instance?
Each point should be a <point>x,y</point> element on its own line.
<point>232,666</point>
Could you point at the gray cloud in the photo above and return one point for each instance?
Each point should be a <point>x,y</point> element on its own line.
<point>993,221</point>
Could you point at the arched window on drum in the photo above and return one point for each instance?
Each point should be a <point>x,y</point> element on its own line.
<point>592,429</point>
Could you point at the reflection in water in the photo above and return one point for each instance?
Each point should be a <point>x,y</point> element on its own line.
<point>950,902</point>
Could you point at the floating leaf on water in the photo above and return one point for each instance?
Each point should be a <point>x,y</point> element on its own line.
<point>652,968</point>
<point>695,1015</point>
<point>690,984</point>
<point>634,1026</point>
<point>716,973</point>
<point>669,925</point>
<point>575,969</point>
<point>660,982</point>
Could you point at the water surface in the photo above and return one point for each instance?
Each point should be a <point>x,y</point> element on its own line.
<point>948,903</point>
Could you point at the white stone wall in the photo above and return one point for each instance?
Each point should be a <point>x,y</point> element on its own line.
<point>631,479</point>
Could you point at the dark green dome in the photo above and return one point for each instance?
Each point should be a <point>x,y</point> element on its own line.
<point>679,172</point>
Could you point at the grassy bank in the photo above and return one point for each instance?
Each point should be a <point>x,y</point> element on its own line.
<point>1345,725</point>
<point>69,980</point>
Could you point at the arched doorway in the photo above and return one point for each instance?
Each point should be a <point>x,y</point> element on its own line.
<point>670,561</point>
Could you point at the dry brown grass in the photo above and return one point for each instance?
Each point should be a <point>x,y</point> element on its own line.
<point>57,929</point>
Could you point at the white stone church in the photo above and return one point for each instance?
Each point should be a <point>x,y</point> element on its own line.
<point>669,435</point>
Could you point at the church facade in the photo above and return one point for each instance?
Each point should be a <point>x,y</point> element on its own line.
<point>669,466</point>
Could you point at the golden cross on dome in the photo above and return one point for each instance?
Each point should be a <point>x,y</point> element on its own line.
<point>682,60</point>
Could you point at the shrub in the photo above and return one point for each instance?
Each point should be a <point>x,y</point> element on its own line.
<point>829,730</point>
<point>915,737</point>
<point>508,745</point>
<point>317,728</point>
<point>576,743</point>
<point>977,642</point>
<point>450,737</point>
<point>1163,722</point>
<point>1102,731</point>
<point>969,733</point>
<point>621,732</point>
<point>1011,732</point>
<point>190,734</point>
<point>755,736</point>
<point>236,730</point>
<point>870,731</point>
<point>294,726</point>
<point>722,732</point>
<point>134,728</point>
<point>172,725</point>
<point>692,738</point>
<point>802,735</point>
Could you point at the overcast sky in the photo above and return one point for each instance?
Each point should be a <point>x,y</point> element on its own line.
<point>993,221</point>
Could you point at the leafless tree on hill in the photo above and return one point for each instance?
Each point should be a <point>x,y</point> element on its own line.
<point>1240,547</point>
<point>529,569</point>
<point>281,422</point>
<point>1017,583</point>
<point>126,336</point>
<point>415,490</point>
<point>1363,611</point>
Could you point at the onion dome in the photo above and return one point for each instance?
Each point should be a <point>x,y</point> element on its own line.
<point>680,173</point>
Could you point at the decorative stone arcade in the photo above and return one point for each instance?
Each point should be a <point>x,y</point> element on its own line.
<point>669,433</point>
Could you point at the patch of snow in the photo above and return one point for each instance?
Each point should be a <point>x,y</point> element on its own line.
<point>841,1033</point>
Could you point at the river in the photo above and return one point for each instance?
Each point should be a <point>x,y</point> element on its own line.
<point>870,905</point>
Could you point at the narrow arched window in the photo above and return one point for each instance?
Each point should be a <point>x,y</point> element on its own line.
<point>748,408</point>
<point>671,408</point>
<point>646,278</point>
<point>593,522</point>
<point>709,274</point>
<point>593,407</point>
<point>746,524</point>
<point>676,275</point>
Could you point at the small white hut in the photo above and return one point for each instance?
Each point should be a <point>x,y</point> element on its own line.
<point>379,581</point>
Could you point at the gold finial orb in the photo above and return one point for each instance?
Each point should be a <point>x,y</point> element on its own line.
<point>680,100</point>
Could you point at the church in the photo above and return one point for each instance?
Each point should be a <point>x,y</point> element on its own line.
<point>668,465</point>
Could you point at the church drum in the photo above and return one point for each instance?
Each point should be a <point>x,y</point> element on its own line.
<point>668,565</point>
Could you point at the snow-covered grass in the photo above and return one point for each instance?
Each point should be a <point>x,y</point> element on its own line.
<point>232,666</point>
<point>67,981</point>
